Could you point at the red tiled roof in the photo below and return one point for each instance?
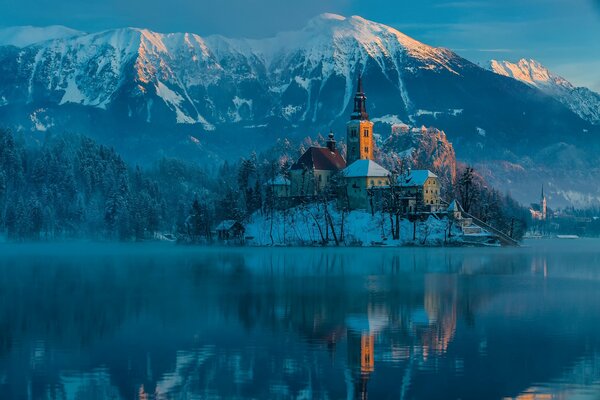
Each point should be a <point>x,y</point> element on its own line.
<point>320,158</point>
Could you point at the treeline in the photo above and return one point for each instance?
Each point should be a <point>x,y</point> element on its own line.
<point>69,186</point>
<point>489,205</point>
<point>571,220</point>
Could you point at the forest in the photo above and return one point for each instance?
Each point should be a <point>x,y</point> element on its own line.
<point>70,187</point>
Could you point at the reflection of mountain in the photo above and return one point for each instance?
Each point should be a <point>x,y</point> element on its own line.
<point>265,324</point>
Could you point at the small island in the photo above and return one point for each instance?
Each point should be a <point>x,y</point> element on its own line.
<point>326,199</point>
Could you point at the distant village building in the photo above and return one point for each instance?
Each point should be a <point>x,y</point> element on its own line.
<point>314,169</point>
<point>539,211</point>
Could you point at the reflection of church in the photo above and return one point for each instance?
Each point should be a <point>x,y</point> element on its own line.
<point>427,332</point>
<point>361,361</point>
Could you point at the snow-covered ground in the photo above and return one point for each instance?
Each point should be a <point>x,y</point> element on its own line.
<point>306,225</point>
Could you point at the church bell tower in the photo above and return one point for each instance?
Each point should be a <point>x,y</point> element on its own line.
<point>544,205</point>
<point>359,130</point>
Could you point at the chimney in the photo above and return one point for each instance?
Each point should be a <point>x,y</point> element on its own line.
<point>331,142</point>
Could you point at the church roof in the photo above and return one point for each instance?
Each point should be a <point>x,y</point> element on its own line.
<point>365,168</point>
<point>416,177</point>
<point>320,158</point>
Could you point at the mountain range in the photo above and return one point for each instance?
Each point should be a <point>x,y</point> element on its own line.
<point>212,98</point>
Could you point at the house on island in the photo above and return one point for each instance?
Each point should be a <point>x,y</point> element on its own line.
<point>364,182</point>
<point>280,186</point>
<point>230,230</point>
<point>313,171</point>
<point>423,188</point>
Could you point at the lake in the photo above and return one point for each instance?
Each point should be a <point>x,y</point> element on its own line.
<point>155,321</point>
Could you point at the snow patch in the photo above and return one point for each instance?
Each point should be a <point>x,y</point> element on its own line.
<point>41,122</point>
<point>174,100</point>
<point>453,112</point>
<point>238,102</point>
<point>579,199</point>
<point>255,126</point>
<point>168,95</point>
<point>303,82</point>
<point>388,119</point>
<point>481,131</point>
<point>290,110</point>
<point>300,226</point>
<point>72,93</point>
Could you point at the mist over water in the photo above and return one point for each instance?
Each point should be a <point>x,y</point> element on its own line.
<point>148,321</point>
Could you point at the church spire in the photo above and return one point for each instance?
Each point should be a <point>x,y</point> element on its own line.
<point>360,103</point>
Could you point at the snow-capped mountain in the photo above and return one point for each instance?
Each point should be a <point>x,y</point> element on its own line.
<point>215,80</point>
<point>580,100</point>
<point>151,94</point>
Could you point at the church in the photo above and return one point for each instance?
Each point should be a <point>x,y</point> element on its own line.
<point>356,181</point>
<point>539,211</point>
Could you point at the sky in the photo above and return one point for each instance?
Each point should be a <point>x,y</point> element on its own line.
<point>564,35</point>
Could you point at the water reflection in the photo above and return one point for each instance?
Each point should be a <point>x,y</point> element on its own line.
<point>160,323</point>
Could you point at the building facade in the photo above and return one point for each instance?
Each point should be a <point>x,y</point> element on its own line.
<point>425,187</point>
<point>313,171</point>
<point>364,182</point>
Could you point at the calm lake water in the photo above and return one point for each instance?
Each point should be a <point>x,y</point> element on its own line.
<point>162,322</point>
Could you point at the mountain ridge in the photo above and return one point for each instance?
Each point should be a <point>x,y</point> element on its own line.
<point>183,95</point>
<point>581,100</point>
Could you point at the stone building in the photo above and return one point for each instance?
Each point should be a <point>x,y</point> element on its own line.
<point>364,180</point>
<point>425,187</point>
<point>280,186</point>
<point>313,171</point>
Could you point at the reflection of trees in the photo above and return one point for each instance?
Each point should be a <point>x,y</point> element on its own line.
<point>400,308</point>
<point>60,302</point>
